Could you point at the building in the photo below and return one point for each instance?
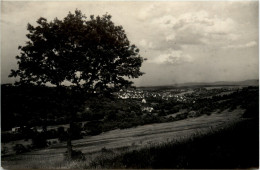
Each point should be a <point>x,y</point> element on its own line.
<point>15,129</point>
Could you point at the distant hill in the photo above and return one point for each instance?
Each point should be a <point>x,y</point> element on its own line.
<point>253,82</point>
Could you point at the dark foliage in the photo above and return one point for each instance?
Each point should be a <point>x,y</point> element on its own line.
<point>34,106</point>
<point>39,140</point>
<point>75,131</point>
<point>7,137</point>
<point>92,53</point>
<point>19,148</point>
<point>106,113</point>
<point>76,155</point>
<point>62,135</point>
<point>94,127</point>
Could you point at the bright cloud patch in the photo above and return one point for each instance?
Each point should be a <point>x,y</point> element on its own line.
<point>172,57</point>
<point>146,44</point>
<point>196,28</point>
<point>146,12</point>
<point>251,44</point>
<point>175,36</point>
<point>247,45</point>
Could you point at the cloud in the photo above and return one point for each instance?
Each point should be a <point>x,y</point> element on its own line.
<point>251,44</point>
<point>146,12</point>
<point>144,43</point>
<point>172,57</point>
<point>171,34</point>
<point>195,37</point>
<point>247,45</point>
<point>220,25</point>
<point>196,28</point>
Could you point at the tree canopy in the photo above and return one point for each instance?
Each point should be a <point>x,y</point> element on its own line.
<point>92,53</point>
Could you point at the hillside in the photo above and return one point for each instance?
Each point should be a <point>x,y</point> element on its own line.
<point>252,82</point>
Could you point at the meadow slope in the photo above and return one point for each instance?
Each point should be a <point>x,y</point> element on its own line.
<point>121,140</point>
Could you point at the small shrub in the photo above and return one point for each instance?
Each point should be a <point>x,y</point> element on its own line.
<point>93,127</point>
<point>76,155</point>
<point>19,148</point>
<point>104,149</point>
<point>4,150</point>
<point>75,131</point>
<point>29,147</point>
<point>39,140</point>
<point>62,135</point>
<point>252,110</point>
<point>108,151</point>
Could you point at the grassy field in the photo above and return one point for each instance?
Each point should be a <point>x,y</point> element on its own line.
<point>100,149</point>
<point>236,146</point>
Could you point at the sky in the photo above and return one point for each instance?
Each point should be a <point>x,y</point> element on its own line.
<point>194,41</point>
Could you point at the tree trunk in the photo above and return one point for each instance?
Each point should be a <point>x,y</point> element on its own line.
<point>69,145</point>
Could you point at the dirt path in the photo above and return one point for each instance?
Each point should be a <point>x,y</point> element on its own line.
<point>141,136</point>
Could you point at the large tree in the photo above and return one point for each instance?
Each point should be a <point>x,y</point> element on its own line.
<point>91,54</point>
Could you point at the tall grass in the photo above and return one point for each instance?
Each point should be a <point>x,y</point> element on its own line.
<point>236,146</point>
